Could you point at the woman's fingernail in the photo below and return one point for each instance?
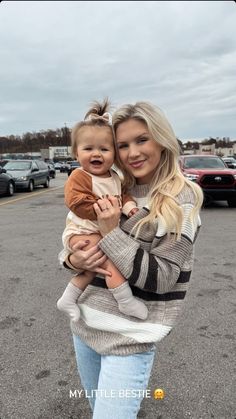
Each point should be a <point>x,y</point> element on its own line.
<point>87,241</point>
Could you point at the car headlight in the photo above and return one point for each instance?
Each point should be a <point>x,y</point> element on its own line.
<point>191,176</point>
<point>22,178</point>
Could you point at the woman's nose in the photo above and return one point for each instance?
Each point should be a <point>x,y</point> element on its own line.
<point>133,151</point>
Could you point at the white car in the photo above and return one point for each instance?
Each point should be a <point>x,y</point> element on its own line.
<point>230,161</point>
<point>57,166</point>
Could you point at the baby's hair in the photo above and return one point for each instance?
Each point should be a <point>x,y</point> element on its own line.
<point>97,116</point>
<point>98,109</point>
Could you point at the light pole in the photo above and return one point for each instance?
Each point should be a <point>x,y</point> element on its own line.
<point>66,138</point>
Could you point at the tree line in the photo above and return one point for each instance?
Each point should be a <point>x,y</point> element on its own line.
<point>35,141</point>
<point>219,142</point>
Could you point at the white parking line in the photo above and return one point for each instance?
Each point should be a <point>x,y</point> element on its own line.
<point>31,195</point>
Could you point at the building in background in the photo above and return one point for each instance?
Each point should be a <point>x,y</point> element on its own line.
<point>56,153</point>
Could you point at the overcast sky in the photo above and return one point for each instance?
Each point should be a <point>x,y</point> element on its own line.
<point>56,57</point>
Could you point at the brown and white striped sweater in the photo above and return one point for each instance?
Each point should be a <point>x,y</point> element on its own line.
<point>158,270</point>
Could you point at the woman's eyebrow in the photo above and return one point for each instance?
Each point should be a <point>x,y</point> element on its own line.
<point>135,138</point>
<point>142,135</point>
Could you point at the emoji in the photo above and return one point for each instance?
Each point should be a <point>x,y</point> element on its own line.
<point>158,394</point>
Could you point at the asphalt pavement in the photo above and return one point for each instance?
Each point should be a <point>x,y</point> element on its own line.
<point>195,364</point>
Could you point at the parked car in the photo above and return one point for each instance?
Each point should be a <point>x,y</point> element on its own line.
<point>217,181</point>
<point>28,174</point>
<point>52,170</point>
<point>73,165</point>
<point>64,167</point>
<point>3,162</point>
<point>7,184</point>
<point>230,162</point>
<point>57,166</point>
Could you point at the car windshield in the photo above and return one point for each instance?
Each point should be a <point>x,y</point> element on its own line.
<point>203,163</point>
<point>18,165</point>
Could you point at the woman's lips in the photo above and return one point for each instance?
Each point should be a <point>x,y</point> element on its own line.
<point>137,164</point>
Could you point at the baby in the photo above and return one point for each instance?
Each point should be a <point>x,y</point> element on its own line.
<point>93,146</point>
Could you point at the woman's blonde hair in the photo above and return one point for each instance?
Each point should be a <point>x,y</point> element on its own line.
<point>97,115</point>
<point>168,181</point>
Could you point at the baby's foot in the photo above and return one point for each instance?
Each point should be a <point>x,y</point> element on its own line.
<point>67,302</point>
<point>127,303</point>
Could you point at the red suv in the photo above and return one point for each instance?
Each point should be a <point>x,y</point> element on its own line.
<point>217,181</point>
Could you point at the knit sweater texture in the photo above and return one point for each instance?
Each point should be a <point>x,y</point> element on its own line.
<point>158,269</point>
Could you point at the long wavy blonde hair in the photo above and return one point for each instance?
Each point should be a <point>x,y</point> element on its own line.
<point>168,181</point>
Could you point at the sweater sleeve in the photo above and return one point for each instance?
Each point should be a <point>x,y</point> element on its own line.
<point>156,270</point>
<point>128,203</point>
<point>79,197</point>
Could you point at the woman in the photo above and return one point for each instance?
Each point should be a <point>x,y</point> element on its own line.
<point>153,250</point>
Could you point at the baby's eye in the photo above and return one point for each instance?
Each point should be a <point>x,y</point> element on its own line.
<point>104,149</point>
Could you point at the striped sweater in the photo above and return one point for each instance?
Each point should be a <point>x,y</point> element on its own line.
<point>158,270</point>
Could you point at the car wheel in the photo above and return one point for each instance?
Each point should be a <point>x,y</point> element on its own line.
<point>10,189</point>
<point>207,200</point>
<point>46,184</point>
<point>31,186</point>
<point>232,203</point>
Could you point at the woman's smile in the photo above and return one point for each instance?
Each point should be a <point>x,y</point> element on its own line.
<point>137,164</point>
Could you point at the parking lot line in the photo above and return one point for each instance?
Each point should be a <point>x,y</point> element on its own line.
<point>31,195</point>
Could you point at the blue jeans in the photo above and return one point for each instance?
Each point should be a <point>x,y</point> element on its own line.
<point>114,385</point>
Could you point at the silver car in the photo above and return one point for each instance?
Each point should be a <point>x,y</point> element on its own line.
<point>28,174</point>
<point>230,161</point>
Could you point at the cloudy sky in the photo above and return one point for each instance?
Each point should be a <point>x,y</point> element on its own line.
<point>56,57</point>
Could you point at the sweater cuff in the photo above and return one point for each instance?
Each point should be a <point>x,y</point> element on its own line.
<point>128,207</point>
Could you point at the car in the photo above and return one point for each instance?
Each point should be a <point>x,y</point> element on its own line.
<point>230,162</point>
<point>3,162</point>
<point>73,165</point>
<point>28,174</point>
<point>57,166</point>
<point>217,181</point>
<point>52,170</point>
<point>64,167</point>
<point>7,183</point>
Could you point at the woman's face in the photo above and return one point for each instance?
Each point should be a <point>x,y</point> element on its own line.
<point>138,151</point>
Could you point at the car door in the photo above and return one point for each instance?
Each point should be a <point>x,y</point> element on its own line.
<point>43,172</point>
<point>3,183</point>
<point>36,173</point>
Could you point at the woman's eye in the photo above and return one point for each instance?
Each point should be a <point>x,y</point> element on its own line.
<point>121,146</point>
<point>142,140</point>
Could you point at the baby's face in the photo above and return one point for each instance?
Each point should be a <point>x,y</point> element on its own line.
<point>95,150</point>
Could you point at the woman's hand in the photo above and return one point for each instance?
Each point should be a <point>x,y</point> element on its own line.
<point>108,214</point>
<point>88,260</point>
